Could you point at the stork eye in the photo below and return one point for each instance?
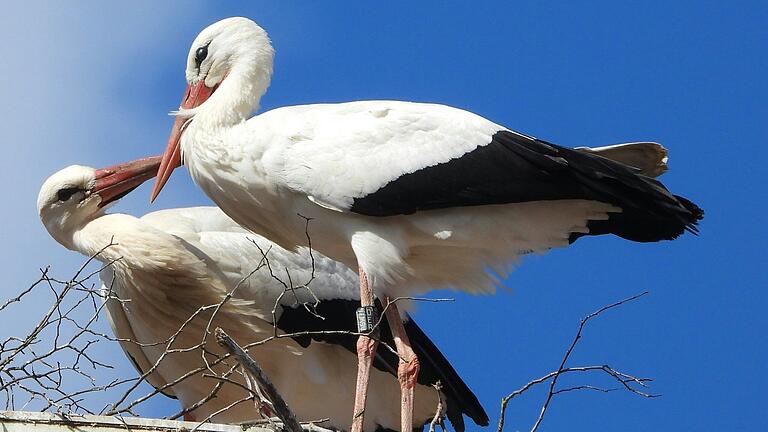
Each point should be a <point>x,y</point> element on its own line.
<point>201,54</point>
<point>66,193</point>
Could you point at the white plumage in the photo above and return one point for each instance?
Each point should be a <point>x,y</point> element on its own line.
<point>169,263</point>
<point>418,196</point>
<point>316,160</point>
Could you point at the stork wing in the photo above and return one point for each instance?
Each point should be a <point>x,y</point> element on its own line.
<point>325,300</point>
<point>648,157</point>
<point>331,316</point>
<point>265,269</point>
<point>382,158</point>
<point>315,301</point>
<point>338,154</point>
<point>122,329</point>
<point>188,220</point>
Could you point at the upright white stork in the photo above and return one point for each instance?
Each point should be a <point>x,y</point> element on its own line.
<point>168,264</point>
<point>416,195</point>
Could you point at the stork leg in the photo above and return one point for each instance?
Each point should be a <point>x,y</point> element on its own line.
<point>407,368</point>
<point>366,347</point>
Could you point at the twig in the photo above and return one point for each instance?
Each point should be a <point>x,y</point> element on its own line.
<point>438,418</point>
<point>44,369</point>
<point>281,408</point>
<point>552,377</point>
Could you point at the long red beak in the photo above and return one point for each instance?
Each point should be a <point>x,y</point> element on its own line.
<point>117,181</point>
<point>194,96</point>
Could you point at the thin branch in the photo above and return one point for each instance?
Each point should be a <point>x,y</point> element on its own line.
<point>281,408</point>
<point>438,418</point>
<point>624,379</point>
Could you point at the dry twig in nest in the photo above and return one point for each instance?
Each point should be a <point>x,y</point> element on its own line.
<point>281,408</point>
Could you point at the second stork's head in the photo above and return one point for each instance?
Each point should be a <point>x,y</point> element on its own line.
<point>77,194</point>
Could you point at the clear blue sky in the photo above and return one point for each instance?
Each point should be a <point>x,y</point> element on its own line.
<point>91,83</point>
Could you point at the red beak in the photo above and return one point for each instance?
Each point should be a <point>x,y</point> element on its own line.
<point>194,96</point>
<point>116,181</point>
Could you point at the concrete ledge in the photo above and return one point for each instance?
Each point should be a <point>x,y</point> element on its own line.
<point>22,421</point>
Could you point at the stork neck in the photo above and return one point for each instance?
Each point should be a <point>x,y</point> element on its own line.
<point>66,230</point>
<point>236,98</point>
<point>65,237</point>
<point>102,236</point>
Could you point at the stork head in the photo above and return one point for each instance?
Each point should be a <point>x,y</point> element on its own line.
<point>220,47</point>
<point>232,50</point>
<point>77,194</point>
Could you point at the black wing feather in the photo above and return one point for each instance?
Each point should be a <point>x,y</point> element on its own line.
<point>435,367</point>
<point>339,314</point>
<point>515,168</point>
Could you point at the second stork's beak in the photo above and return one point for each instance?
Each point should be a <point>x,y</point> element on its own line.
<point>194,96</point>
<point>117,181</point>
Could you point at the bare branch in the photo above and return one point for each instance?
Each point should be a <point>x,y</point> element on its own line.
<point>281,408</point>
<point>624,379</point>
<point>438,418</point>
<point>55,367</point>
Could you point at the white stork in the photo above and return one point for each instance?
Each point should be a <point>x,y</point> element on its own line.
<point>172,262</point>
<point>416,195</point>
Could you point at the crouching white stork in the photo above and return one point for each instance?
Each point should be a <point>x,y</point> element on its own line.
<point>416,195</point>
<point>167,264</point>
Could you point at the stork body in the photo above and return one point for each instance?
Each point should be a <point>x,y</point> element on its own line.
<point>418,196</point>
<point>276,170</point>
<point>167,264</point>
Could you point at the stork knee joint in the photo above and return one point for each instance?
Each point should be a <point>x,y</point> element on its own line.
<point>408,372</point>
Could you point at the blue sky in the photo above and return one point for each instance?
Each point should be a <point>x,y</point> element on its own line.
<point>91,83</point>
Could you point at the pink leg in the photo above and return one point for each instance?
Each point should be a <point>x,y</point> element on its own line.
<point>407,369</point>
<point>189,417</point>
<point>366,347</point>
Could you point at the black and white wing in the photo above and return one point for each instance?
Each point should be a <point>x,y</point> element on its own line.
<point>339,315</point>
<point>328,303</point>
<point>385,158</point>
